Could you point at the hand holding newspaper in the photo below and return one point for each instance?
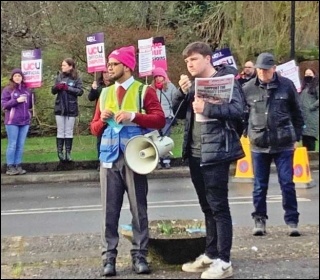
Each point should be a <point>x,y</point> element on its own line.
<point>215,90</point>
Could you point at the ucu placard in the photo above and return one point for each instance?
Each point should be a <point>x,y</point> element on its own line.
<point>223,56</point>
<point>31,66</point>
<point>96,59</point>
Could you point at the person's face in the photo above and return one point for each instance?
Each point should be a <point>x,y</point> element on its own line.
<point>265,75</point>
<point>248,68</point>
<point>197,64</point>
<point>65,67</point>
<point>17,78</point>
<point>106,78</point>
<point>115,69</point>
<point>308,72</point>
<point>159,79</point>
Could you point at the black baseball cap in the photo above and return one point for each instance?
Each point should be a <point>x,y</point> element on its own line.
<point>265,61</point>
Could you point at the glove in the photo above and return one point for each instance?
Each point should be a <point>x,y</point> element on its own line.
<point>58,86</point>
<point>61,86</point>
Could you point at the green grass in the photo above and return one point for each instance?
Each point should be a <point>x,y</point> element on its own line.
<point>43,149</point>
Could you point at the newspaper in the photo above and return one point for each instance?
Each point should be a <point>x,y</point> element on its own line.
<point>215,90</point>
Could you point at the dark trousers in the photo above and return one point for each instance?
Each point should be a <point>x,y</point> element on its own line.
<point>309,142</point>
<point>115,182</point>
<point>261,167</point>
<point>211,185</point>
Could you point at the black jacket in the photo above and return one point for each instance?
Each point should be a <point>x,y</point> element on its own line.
<point>66,103</point>
<point>213,136</point>
<point>275,119</point>
<point>94,94</point>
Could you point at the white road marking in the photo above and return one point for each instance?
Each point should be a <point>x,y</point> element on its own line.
<point>152,204</point>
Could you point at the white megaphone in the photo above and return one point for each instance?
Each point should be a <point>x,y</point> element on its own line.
<point>142,152</point>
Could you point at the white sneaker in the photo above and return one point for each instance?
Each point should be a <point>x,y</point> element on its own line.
<point>218,270</point>
<point>200,264</point>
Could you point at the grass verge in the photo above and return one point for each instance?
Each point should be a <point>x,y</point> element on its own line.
<point>43,149</point>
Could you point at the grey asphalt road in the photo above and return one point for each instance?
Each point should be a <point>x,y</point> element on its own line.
<point>66,208</point>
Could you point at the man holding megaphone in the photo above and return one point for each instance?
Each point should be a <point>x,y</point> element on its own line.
<point>129,108</point>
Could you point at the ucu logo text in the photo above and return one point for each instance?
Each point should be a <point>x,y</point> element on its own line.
<point>31,66</point>
<point>95,50</point>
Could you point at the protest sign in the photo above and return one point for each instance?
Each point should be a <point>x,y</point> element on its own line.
<point>96,59</point>
<point>291,71</point>
<point>145,57</point>
<point>31,66</point>
<point>223,56</point>
<point>159,57</point>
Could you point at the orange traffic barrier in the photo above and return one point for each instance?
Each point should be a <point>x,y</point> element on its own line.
<point>301,168</point>
<point>244,166</point>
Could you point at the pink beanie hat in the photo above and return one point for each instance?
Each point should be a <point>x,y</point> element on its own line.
<point>160,72</point>
<point>125,55</point>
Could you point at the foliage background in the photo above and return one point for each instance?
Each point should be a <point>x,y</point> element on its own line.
<point>59,28</point>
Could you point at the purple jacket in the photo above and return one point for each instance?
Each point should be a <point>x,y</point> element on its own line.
<point>16,113</point>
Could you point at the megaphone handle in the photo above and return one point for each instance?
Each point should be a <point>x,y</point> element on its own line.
<point>166,131</point>
<point>173,119</point>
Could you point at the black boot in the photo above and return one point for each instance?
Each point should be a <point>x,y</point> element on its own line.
<point>68,148</point>
<point>60,143</point>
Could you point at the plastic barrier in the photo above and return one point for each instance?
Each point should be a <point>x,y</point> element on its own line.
<point>244,166</point>
<point>301,168</point>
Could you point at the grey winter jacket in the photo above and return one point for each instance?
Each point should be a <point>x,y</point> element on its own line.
<point>165,97</point>
<point>275,118</point>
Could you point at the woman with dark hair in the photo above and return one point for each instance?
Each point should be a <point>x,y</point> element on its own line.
<point>17,102</point>
<point>310,108</point>
<point>67,87</point>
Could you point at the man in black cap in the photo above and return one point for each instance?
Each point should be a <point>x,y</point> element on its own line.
<point>275,125</point>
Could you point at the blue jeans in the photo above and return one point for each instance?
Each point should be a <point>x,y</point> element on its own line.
<point>211,185</point>
<point>17,135</point>
<point>261,168</point>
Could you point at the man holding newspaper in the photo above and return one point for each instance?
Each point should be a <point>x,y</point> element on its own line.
<point>210,102</point>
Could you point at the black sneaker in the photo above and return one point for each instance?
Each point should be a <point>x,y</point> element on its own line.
<point>109,267</point>
<point>259,226</point>
<point>140,266</point>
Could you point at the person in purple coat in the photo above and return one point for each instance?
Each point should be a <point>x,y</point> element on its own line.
<point>17,102</point>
